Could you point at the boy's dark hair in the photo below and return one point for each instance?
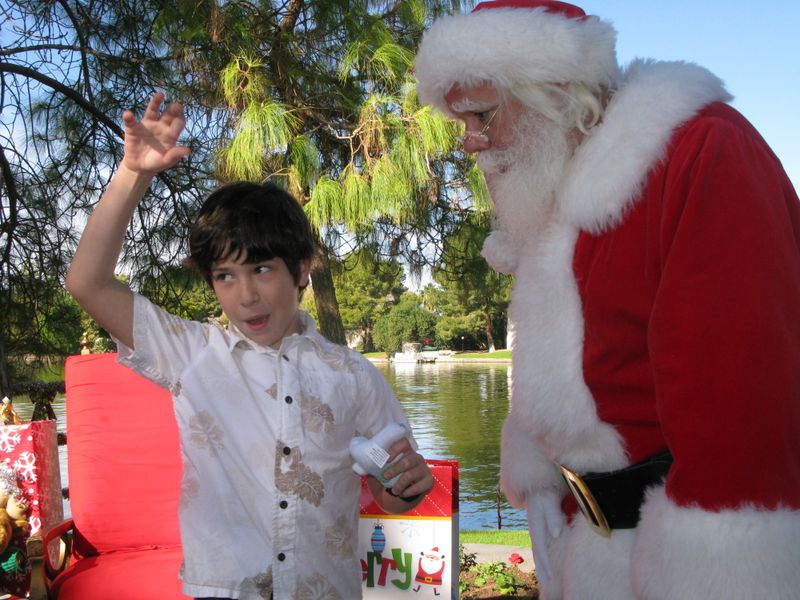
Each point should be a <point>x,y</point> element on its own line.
<point>259,219</point>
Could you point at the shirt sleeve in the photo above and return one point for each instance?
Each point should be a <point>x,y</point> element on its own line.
<point>724,330</point>
<point>379,405</point>
<point>164,344</point>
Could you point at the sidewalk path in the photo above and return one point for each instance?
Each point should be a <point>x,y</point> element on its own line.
<point>486,553</point>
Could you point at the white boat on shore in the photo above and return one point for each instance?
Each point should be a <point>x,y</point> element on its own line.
<point>412,354</point>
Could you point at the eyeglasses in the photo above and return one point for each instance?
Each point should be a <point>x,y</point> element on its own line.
<point>481,135</point>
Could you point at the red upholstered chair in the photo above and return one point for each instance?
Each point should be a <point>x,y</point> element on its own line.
<point>124,470</point>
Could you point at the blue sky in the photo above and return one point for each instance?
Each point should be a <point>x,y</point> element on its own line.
<point>753,47</point>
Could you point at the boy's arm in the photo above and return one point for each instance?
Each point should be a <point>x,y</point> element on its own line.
<point>415,482</point>
<point>150,147</point>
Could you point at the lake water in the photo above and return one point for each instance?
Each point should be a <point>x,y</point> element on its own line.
<point>456,411</point>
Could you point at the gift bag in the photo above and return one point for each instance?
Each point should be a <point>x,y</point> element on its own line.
<point>413,555</point>
<point>29,470</point>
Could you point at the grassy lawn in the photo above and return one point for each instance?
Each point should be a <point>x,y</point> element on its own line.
<point>498,354</point>
<point>505,537</point>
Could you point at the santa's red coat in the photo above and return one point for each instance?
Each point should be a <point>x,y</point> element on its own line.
<point>691,312</point>
<point>661,309</point>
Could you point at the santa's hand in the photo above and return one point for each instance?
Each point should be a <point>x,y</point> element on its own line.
<point>545,522</point>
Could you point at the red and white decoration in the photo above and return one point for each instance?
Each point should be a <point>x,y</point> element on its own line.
<point>31,450</point>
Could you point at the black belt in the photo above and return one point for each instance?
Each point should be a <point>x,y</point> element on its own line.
<point>612,500</point>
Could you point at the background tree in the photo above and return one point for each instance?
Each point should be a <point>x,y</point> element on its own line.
<point>368,288</point>
<point>470,298</point>
<point>455,328</point>
<point>406,321</point>
<point>320,96</point>
<point>189,295</point>
<point>34,305</point>
<point>67,71</point>
<point>315,93</point>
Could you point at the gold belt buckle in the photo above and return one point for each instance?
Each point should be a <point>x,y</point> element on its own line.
<point>586,501</point>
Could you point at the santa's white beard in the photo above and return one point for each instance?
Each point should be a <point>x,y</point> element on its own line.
<point>522,180</point>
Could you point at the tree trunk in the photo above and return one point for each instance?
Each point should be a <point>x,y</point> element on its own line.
<point>369,345</point>
<point>330,321</point>
<point>4,387</point>
<point>488,326</point>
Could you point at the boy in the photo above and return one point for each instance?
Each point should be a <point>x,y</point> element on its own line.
<point>266,409</point>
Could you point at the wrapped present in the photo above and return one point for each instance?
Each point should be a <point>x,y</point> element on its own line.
<point>414,554</point>
<point>30,496</point>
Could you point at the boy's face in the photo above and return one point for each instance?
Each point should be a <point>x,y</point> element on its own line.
<point>261,298</point>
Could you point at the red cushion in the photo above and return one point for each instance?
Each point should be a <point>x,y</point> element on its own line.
<point>135,575</point>
<point>123,459</point>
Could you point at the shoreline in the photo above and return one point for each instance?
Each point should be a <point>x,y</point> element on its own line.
<point>444,359</point>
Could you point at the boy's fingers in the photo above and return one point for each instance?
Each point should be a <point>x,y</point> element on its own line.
<point>402,464</point>
<point>154,106</point>
<point>173,114</point>
<point>176,126</point>
<point>400,446</point>
<point>418,485</point>
<point>415,476</point>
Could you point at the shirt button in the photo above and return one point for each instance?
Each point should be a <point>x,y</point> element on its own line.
<point>286,358</point>
<point>283,504</point>
<point>288,399</point>
<point>281,556</point>
<point>287,450</point>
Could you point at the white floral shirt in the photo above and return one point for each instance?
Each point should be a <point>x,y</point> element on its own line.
<point>269,501</point>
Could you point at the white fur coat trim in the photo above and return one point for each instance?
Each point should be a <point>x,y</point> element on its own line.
<point>681,553</point>
<point>693,554</point>
<point>550,402</point>
<point>611,165</point>
<point>512,46</point>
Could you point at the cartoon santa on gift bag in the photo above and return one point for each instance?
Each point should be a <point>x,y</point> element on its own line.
<point>430,567</point>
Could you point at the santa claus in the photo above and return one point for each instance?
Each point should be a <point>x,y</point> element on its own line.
<point>654,434</point>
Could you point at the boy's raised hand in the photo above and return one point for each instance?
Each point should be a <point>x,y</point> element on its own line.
<point>151,145</point>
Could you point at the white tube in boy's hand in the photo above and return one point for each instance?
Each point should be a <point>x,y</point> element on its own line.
<point>371,455</point>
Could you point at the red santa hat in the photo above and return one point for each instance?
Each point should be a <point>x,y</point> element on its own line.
<point>512,42</point>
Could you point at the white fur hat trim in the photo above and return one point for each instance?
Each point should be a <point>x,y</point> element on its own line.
<point>510,46</point>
